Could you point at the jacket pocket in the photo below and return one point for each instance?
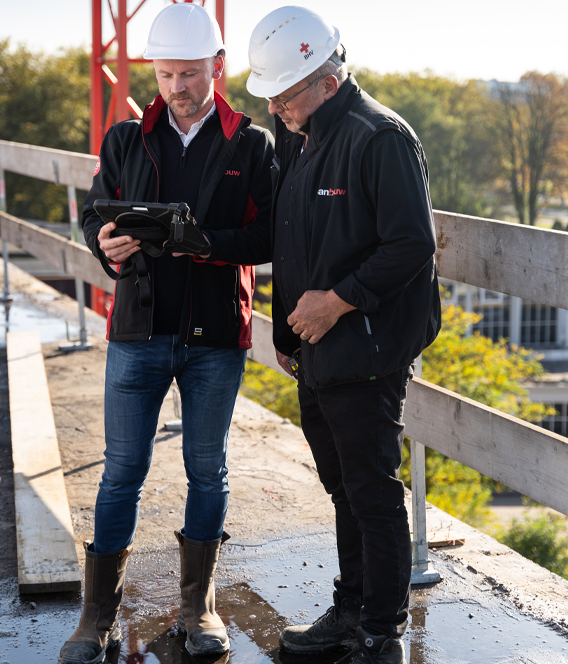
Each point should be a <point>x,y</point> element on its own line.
<point>345,353</point>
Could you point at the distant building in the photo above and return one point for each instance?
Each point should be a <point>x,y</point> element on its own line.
<point>535,326</point>
<point>493,86</point>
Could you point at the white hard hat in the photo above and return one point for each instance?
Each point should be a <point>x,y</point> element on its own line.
<point>183,31</point>
<point>286,46</point>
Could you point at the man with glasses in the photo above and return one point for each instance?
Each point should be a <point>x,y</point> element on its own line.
<point>355,302</point>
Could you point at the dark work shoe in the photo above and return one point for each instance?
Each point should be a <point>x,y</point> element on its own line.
<point>376,650</point>
<point>335,629</point>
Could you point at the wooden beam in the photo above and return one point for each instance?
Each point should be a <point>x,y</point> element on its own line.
<point>73,258</point>
<point>58,166</point>
<point>528,262</point>
<point>521,455</point>
<point>47,558</point>
<point>262,350</point>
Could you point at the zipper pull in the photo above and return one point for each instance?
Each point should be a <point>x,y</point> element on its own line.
<point>186,352</point>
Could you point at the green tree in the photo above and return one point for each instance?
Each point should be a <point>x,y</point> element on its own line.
<point>241,100</point>
<point>44,100</point>
<point>481,369</point>
<point>532,120</point>
<point>454,123</point>
<point>541,538</point>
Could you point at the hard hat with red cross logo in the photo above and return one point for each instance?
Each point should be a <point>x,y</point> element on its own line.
<point>286,46</point>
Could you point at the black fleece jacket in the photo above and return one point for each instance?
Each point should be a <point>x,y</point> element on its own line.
<point>362,225</point>
<point>233,207</point>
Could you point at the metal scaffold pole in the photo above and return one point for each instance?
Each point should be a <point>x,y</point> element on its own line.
<point>81,343</point>
<point>421,573</point>
<point>6,297</point>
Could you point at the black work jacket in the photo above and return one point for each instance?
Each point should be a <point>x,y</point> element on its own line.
<point>362,225</point>
<point>233,207</point>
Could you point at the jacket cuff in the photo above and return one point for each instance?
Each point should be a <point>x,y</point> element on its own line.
<point>352,292</point>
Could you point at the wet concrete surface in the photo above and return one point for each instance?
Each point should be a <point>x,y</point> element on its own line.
<point>263,588</point>
<point>22,315</point>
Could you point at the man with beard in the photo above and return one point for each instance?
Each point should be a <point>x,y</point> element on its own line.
<point>355,289</point>
<point>190,146</point>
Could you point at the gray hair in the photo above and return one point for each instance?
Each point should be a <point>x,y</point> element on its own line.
<point>329,68</point>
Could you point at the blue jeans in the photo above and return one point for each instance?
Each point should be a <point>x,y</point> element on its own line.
<point>138,377</point>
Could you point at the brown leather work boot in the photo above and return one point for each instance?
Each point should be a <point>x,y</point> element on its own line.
<point>206,633</point>
<point>98,627</point>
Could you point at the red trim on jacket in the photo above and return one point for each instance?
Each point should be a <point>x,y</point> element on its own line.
<point>230,119</point>
<point>246,289</point>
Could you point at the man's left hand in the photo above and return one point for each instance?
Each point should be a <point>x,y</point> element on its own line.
<point>316,313</point>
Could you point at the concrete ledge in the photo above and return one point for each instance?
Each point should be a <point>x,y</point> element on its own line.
<point>485,564</point>
<point>47,559</point>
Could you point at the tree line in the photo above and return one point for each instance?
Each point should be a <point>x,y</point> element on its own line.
<point>488,145</point>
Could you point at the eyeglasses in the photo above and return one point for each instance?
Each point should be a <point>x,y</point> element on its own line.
<point>285,103</point>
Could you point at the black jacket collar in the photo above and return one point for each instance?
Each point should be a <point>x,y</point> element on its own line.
<point>321,122</point>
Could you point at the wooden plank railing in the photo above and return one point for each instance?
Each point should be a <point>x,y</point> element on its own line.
<point>58,166</point>
<point>70,257</point>
<point>527,262</point>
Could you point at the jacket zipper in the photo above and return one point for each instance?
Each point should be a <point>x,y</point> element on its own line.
<point>151,322</point>
<point>189,285</point>
<point>236,296</point>
<point>369,331</point>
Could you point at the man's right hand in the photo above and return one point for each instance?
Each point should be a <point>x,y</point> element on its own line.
<point>116,249</point>
<point>283,362</point>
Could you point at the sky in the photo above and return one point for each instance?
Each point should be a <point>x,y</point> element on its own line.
<point>463,39</point>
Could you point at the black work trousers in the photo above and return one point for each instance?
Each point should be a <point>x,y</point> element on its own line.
<point>355,432</point>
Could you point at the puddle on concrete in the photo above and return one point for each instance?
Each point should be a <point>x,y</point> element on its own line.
<point>22,316</point>
<point>446,627</point>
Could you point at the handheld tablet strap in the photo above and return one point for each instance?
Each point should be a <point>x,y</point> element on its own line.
<point>143,286</point>
<point>184,237</point>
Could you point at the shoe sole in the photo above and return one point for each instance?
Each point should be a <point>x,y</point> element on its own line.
<point>113,640</point>
<point>294,649</point>
<point>223,647</point>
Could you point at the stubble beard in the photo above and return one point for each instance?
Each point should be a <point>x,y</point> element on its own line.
<point>187,112</point>
<point>293,126</point>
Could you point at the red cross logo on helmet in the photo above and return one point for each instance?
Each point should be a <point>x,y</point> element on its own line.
<point>304,48</point>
